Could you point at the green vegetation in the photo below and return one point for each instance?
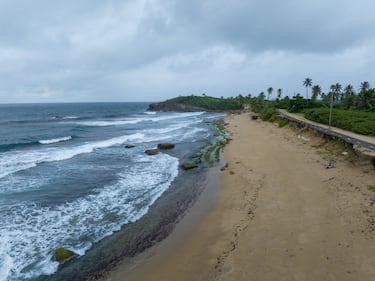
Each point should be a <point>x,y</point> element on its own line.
<point>210,153</point>
<point>283,122</point>
<point>205,102</point>
<point>360,122</point>
<point>350,110</point>
<point>220,127</point>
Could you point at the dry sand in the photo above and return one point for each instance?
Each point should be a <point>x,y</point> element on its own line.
<point>280,215</point>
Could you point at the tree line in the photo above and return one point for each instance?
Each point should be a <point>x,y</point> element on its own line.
<point>349,109</point>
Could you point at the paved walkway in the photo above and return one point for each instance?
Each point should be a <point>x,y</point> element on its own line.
<point>353,138</point>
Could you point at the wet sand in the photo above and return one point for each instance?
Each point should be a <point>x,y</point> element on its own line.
<point>280,215</point>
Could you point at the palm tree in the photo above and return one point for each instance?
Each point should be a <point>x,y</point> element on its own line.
<point>365,86</point>
<point>336,91</point>
<point>316,91</point>
<point>269,91</point>
<point>334,94</point>
<point>348,97</point>
<point>366,96</point>
<point>307,83</point>
<point>279,93</point>
<point>349,90</point>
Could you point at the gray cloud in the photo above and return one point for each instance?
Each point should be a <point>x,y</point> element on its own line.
<point>154,49</point>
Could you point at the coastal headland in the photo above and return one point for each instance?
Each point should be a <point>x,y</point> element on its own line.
<point>291,206</point>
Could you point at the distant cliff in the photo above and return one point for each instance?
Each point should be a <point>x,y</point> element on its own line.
<point>196,103</point>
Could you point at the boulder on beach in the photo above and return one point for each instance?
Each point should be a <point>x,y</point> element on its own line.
<point>128,146</point>
<point>166,145</point>
<point>63,255</point>
<point>189,165</point>
<point>152,151</point>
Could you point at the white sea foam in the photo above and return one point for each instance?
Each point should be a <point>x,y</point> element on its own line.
<point>6,262</point>
<point>175,116</point>
<point>14,161</point>
<point>193,132</point>
<point>14,184</point>
<point>35,231</point>
<point>65,117</point>
<point>105,123</point>
<point>149,112</point>
<point>50,141</point>
<point>117,122</point>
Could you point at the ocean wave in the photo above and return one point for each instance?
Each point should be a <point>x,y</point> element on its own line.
<point>9,146</point>
<point>115,122</point>
<point>176,116</point>
<point>6,261</point>
<point>50,141</point>
<point>11,162</point>
<point>105,123</point>
<point>64,117</point>
<point>36,231</point>
<point>149,112</point>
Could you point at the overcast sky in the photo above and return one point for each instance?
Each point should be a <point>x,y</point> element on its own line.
<point>150,50</point>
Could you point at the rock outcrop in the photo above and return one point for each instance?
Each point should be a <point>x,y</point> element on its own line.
<point>166,145</point>
<point>189,165</point>
<point>63,255</point>
<point>152,151</point>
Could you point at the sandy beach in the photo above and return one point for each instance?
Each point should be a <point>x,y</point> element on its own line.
<point>280,214</point>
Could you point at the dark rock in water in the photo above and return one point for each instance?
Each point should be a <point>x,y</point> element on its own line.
<point>153,151</point>
<point>189,165</point>
<point>129,146</point>
<point>166,145</point>
<point>63,255</point>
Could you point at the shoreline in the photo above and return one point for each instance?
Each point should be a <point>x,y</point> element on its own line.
<point>137,237</point>
<point>133,239</point>
<point>280,215</point>
<point>152,257</point>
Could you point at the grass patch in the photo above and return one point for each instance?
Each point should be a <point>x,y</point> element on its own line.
<point>283,122</point>
<point>360,122</point>
<point>371,188</point>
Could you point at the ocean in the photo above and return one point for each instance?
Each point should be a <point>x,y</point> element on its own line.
<point>66,179</point>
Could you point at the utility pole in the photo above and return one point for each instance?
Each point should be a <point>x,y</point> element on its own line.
<point>330,110</point>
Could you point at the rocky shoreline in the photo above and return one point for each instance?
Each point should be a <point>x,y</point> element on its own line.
<point>153,227</point>
<point>136,237</point>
